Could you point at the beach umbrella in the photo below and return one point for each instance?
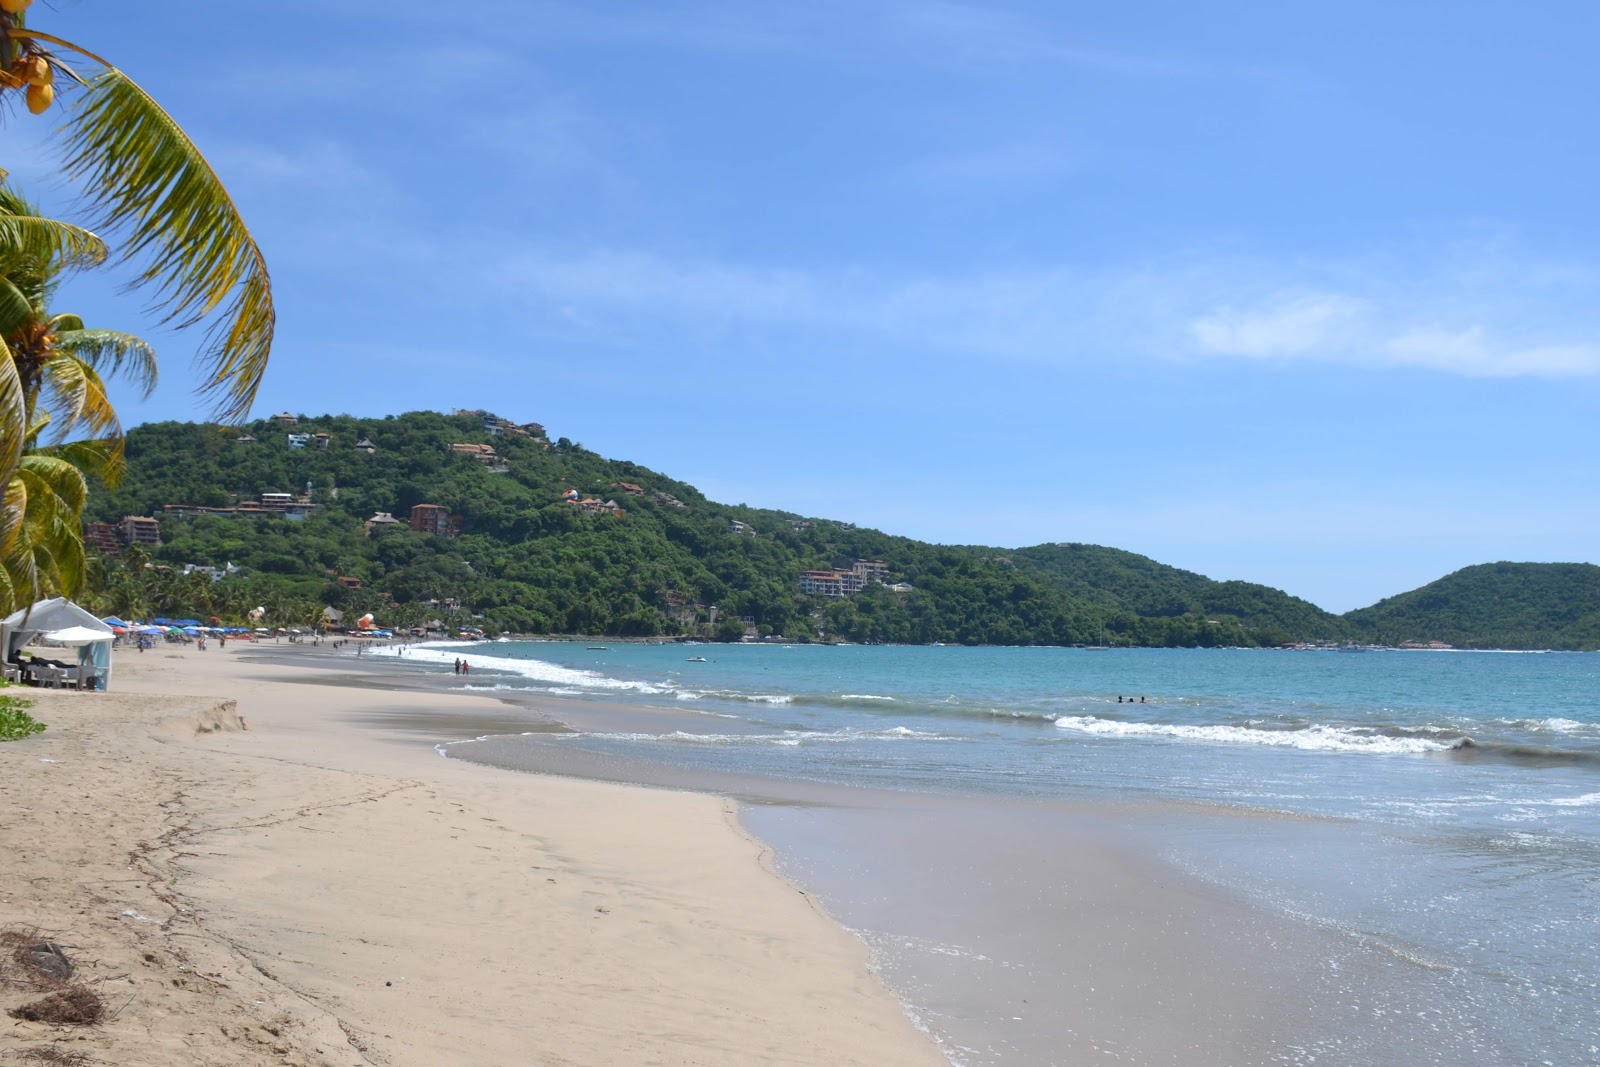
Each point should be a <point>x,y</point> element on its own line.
<point>187,622</point>
<point>112,620</point>
<point>150,630</point>
<point>174,630</point>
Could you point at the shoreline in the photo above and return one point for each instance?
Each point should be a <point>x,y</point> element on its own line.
<point>1151,964</point>
<point>316,890</point>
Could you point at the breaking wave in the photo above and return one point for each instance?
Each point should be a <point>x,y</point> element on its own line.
<point>1311,738</point>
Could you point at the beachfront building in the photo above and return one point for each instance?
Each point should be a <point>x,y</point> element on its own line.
<point>431,519</point>
<point>141,530</point>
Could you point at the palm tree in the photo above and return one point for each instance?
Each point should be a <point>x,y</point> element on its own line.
<point>58,360</point>
<point>151,185</point>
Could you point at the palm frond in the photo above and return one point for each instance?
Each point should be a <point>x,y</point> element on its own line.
<point>56,477</point>
<point>75,393</point>
<point>150,182</point>
<point>16,552</point>
<point>111,352</point>
<point>13,433</point>
<point>15,308</point>
<point>101,457</point>
<point>24,236</point>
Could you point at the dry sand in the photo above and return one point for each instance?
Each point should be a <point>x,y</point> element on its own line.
<point>313,890</point>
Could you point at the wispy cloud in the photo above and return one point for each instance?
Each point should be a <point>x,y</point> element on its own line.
<point>1366,331</point>
<point>1450,321</point>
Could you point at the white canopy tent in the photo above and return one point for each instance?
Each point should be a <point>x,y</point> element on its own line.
<point>60,620</point>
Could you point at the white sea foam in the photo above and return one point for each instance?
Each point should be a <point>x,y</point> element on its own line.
<point>1588,800</point>
<point>573,680</point>
<point>864,696</point>
<point>786,739</point>
<point>1310,738</point>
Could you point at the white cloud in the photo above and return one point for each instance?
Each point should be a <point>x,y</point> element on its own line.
<point>1466,323</point>
<point>1285,327</point>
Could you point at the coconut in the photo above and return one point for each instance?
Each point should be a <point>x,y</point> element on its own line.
<point>14,7</point>
<point>40,98</point>
<point>38,71</point>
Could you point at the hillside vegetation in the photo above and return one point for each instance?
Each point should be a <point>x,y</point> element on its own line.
<point>528,562</point>
<point>1495,605</point>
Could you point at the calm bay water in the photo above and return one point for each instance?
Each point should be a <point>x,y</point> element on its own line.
<point>1432,820</point>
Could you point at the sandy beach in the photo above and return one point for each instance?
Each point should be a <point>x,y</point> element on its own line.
<point>253,869</point>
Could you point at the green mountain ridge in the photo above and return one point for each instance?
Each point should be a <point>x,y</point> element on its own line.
<point>1495,605</point>
<point>528,561</point>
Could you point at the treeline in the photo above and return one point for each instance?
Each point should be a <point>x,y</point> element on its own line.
<point>1495,605</point>
<point>527,562</point>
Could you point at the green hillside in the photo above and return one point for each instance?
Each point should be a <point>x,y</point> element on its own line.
<point>1112,577</point>
<point>1495,605</point>
<point>529,562</point>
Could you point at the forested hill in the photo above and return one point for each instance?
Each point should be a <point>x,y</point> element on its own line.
<point>1495,605</point>
<point>527,561</point>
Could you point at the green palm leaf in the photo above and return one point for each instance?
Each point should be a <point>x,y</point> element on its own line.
<point>102,457</point>
<point>25,236</point>
<point>150,182</point>
<point>15,308</point>
<point>76,396</point>
<point>110,351</point>
<point>13,434</point>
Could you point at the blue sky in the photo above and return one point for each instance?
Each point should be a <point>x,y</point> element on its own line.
<point>1301,295</point>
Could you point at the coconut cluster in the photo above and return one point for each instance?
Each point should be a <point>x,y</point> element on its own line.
<point>28,69</point>
<point>34,72</point>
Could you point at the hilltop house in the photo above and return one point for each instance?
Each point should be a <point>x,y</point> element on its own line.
<point>484,454</point>
<point>284,418</point>
<point>741,529</point>
<point>299,440</point>
<point>366,447</point>
<point>381,518</point>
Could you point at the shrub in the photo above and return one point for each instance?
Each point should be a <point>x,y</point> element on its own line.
<point>15,723</point>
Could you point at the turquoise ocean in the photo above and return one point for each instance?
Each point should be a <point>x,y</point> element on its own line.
<point>1429,820</point>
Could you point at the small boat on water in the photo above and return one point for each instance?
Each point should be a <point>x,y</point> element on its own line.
<point>599,648</point>
<point>697,659</point>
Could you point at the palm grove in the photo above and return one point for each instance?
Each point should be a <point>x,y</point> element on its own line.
<point>154,205</point>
